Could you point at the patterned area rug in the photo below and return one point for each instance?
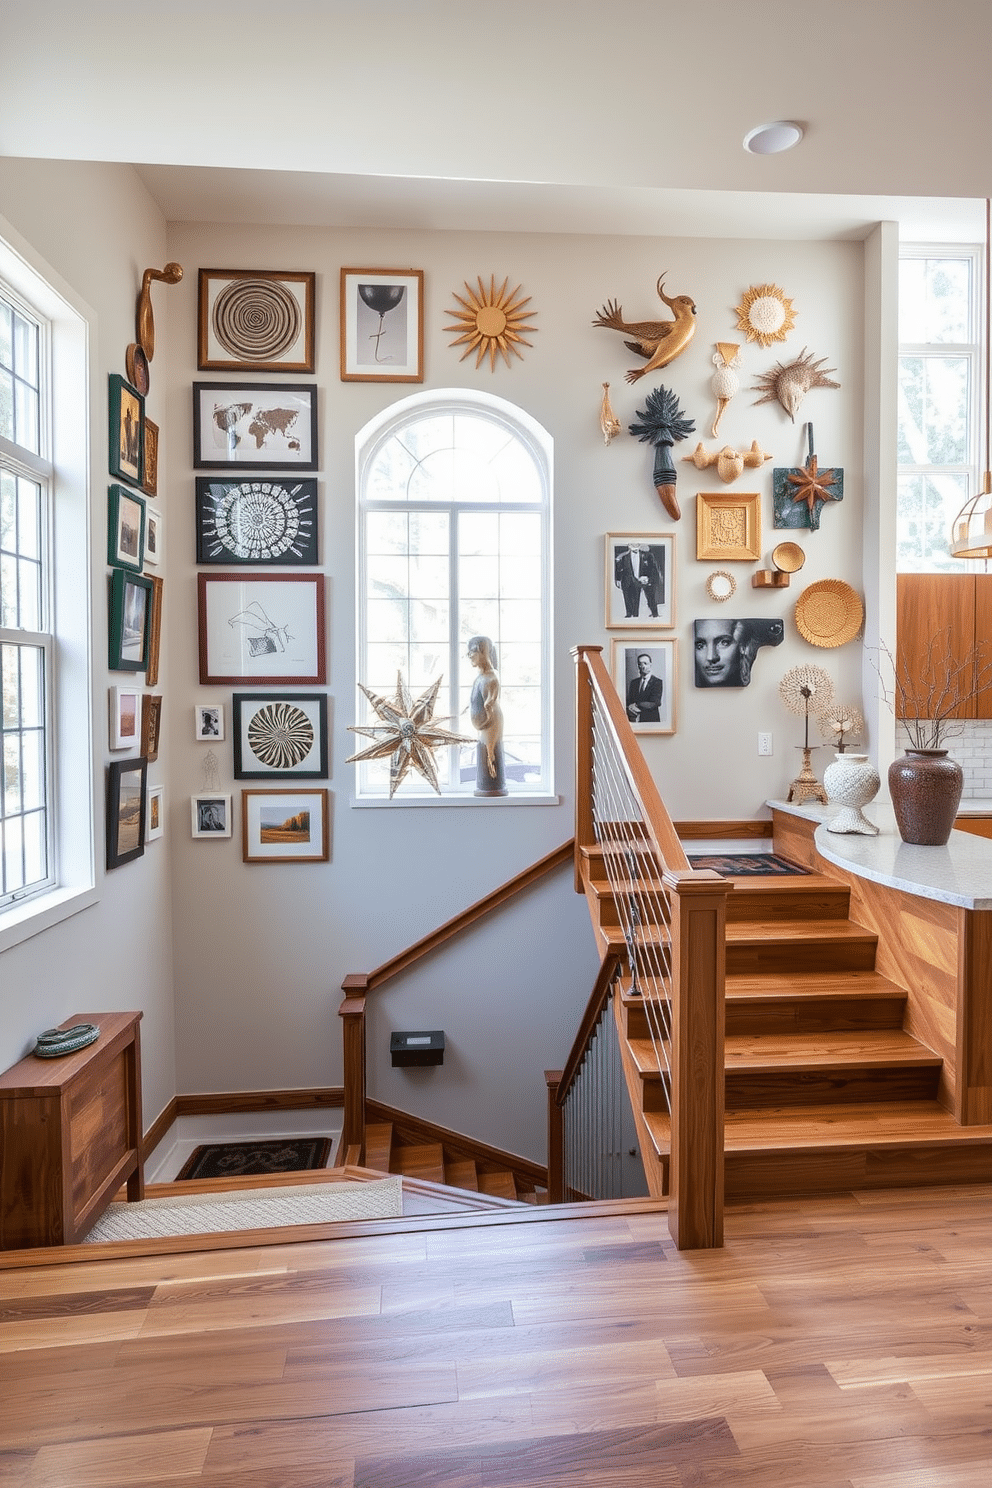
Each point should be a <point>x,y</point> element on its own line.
<point>250,1209</point>
<point>255,1159</point>
<point>734,865</point>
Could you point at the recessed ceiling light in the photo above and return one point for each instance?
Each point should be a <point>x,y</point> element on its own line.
<point>771,139</point>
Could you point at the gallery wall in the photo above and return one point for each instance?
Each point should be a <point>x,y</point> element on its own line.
<point>95,229</point>
<point>260,951</point>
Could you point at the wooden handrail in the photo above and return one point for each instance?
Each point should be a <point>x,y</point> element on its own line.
<point>640,779</point>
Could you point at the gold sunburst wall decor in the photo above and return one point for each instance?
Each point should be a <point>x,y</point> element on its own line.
<point>491,321</point>
<point>765,314</point>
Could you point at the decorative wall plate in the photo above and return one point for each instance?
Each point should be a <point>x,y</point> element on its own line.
<point>788,557</point>
<point>829,613</point>
<point>721,585</point>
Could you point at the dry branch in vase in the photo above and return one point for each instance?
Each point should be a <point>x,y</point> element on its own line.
<point>926,702</point>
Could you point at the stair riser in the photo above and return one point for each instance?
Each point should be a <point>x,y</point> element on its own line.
<point>800,956</point>
<point>796,1087</point>
<point>779,1174</point>
<point>773,904</point>
<point>812,1015</point>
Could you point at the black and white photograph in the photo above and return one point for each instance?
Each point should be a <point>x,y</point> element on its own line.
<point>724,649</point>
<point>153,535</point>
<point>261,520</point>
<point>209,722</point>
<point>285,734</point>
<point>382,325</point>
<point>644,676</point>
<point>211,815</point>
<point>640,580</point>
<point>270,425</point>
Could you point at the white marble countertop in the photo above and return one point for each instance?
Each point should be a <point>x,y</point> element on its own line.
<point>960,873</point>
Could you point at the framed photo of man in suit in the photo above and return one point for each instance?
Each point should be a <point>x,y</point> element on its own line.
<point>644,676</point>
<point>640,580</point>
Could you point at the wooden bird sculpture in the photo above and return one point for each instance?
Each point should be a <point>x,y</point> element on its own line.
<point>659,341</point>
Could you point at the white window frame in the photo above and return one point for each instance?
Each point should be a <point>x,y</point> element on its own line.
<point>969,351</point>
<point>66,440</point>
<point>368,442</point>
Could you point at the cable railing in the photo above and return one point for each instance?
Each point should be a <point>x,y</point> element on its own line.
<point>662,930</point>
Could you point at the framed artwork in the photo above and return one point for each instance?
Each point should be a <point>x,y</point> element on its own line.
<point>126,781</point>
<point>149,450</point>
<point>255,320</point>
<point>151,724</point>
<point>154,631</point>
<point>210,815</point>
<point>724,650</point>
<point>640,580</point>
<point>125,717</point>
<point>265,520</point>
<point>382,325</point>
<point>155,813</point>
<point>127,430</point>
<point>728,527</point>
<point>644,676</point>
<point>268,425</point>
<point>153,535</point>
<point>126,518</point>
<point>261,627</point>
<point>130,621</point>
<point>280,734</point>
<point>209,726</point>
<point>285,826</point>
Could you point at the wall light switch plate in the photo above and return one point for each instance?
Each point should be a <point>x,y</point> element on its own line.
<point>765,744</point>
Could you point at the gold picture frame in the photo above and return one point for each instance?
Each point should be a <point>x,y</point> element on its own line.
<point>728,526</point>
<point>382,325</point>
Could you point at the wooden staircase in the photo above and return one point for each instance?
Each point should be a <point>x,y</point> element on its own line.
<point>824,1088</point>
<point>482,1182</point>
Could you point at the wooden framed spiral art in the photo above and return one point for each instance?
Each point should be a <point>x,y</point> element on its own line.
<point>255,320</point>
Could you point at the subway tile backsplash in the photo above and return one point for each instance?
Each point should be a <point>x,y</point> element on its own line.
<point>972,748</point>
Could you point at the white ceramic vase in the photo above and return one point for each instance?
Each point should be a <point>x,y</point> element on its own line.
<point>851,782</point>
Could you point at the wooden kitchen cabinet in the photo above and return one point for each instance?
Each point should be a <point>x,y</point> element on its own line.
<point>930,606</point>
<point>70,1135</point>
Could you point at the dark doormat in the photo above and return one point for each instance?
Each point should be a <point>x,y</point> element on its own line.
<point>248,1159</point>
<point>733,865</point>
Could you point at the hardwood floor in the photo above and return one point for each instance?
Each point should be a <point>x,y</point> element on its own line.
<point>841,1342</point>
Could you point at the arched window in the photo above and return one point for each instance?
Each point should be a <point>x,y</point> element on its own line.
<point>454,527</point>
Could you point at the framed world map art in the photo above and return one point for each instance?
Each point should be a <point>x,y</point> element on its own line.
<point>263,519</point>
<point>268,425</point>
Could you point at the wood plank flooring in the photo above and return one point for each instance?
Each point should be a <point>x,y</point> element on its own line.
<point>841,1342</point>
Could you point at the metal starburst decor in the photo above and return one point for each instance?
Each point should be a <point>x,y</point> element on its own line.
<point>408,734</point>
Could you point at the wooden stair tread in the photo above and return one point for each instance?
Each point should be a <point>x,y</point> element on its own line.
<point>811,1128</point>
<point>793,986</point>
<point>841,1049</point>
<point>813,932</point>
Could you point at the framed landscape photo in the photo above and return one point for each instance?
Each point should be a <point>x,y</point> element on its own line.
<point>126,780</point>
<point>261,627</point>
<point>280,734</point>
<point>155,813</point>
<point>151,724</point>
<point>130,621</point>
<point>127,430</point>
<point>209,722</point>
<point>382,325</point>
<point>210,815</point>
<point>154,630</point>
<point>285,826</point>
<point>153,535</point>
<point>125,528</point>
<point>640,580</point>
<point>643,671</point>
<point>125,717</point>
<point>264,519</point>
<point>255,320</point>
<point>149,451</point>
<point>268,425</point>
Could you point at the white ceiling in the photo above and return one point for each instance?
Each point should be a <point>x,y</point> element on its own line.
<point>530,115</point>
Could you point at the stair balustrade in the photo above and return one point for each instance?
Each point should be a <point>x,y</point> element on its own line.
<point>662,930</point>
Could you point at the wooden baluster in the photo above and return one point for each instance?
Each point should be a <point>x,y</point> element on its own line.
<point>556,1139</point>
<point>352,1010</point>
<point>699,953</point>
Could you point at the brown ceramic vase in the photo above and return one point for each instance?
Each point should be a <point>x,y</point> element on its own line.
<point>925,786</point>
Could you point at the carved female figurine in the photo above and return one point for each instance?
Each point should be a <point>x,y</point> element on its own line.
<point>487,718</point>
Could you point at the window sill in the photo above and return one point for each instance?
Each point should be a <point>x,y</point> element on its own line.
<point>365,802</point>
<point>41,912</point>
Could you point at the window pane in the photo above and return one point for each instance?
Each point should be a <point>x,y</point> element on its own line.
<point>935,300</point>
<point>8,509</point>
<point>6,405</point>
<point>518,476</point>
<point>429,577</point>
<point>382,662</point>
<point>478,578</point>
<point>12,781</point>
<point>32,660</point>
<point>386,532</point>
<point>6,336</point>
<point>35,829</point>
<point>520,620</point>
<point>29,519</point>
<point>390,473</point>
<point>13,855</point>
<point>9,609</point>
<point>33,770</point>
<point>927,506</point>
<point>934,399</point>
<point>26,429</point>
<point>389,576</point>
<point>453,475</point>
<point>388,620</point>
<point>521,663</point>
<point>25,350</point>
<point>478,532</point>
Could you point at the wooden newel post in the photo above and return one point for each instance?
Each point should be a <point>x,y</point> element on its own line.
<point>352,1011</point>
<point>556,1139</point>
<point>585,834</point>
<point>699,954</point>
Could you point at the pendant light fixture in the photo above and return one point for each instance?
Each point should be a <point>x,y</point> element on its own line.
<point>971,534</point>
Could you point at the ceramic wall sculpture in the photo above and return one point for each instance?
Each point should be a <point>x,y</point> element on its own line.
<point>800,494</point>
<point>724,383</point>
<point>730,463</point>
<point>608,421</point>
<point>789,382</point>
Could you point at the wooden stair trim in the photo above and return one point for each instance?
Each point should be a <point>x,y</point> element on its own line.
<point>416,1131</point>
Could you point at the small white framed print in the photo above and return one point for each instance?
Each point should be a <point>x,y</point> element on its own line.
<point>209,722</point>
<point>210,815</point>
